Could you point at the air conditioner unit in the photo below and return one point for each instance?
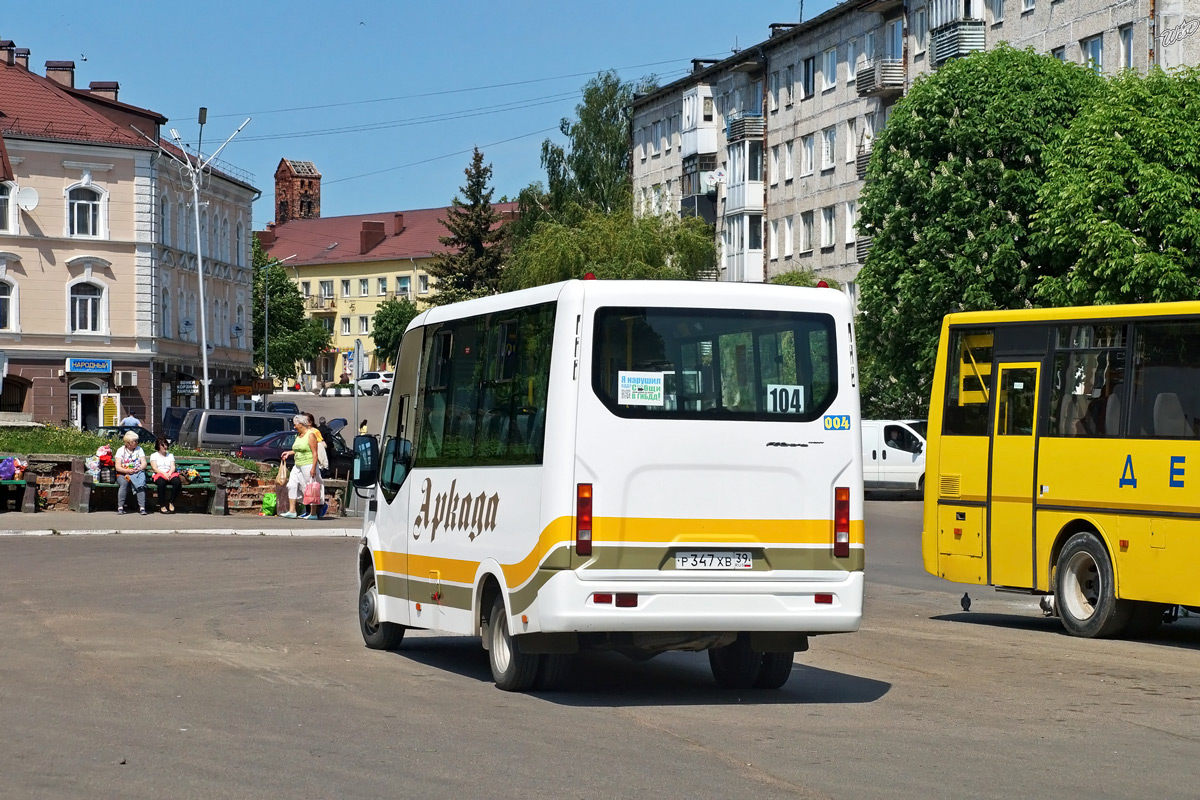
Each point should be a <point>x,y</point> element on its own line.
<point>125,378</point>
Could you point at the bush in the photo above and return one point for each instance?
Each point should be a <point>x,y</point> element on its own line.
<point>59,440</point>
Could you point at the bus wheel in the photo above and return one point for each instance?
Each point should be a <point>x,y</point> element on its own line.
<point>377,635</point>
<point>774,671</point>
<point>554,671</point>
<point>1086,590</point>
<point>735,666</point>
<point>512,670</point>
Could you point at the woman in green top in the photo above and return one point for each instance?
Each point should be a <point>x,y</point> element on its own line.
<point>305,470</point>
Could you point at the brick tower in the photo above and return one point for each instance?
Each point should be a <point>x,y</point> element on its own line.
<point>297,191</point>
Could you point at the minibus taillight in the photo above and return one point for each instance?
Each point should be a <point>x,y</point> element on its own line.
<point>841,522</point>
<point>583,520</point>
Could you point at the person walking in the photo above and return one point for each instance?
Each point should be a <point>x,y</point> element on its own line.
<point>130,463</point>
<point>305,470</point>
<point>166,477</point>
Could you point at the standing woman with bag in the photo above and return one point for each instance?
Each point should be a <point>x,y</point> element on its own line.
<point>305,470</point>
<point>131,471</point>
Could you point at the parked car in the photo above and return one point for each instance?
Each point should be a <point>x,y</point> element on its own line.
<point>375,382</point>
<point>894,454</point>
<point>117,432</point>
<point>271,447</point>
<point>283,407</point>
<point>215,429</point>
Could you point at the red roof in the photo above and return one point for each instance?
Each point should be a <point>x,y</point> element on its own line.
<point>37,107</point>
<point>333,240</point>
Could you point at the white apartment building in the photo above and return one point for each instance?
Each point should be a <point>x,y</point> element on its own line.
<point>771,144</point>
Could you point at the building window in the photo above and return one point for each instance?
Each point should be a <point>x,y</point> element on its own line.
<point>807,155</point>
<point>305,288</point>
<point>773,240</point>
<point>327,289</point>
<point>382,287</point>
<point>708,109</point>
<point>8,316</point>
<point>788,233</point>
<point>364,287</point>
<point>773,92</point>
<point>1026,5</point>
<point>920,31</point>
<point>809,77</point>
<point>85,307</point>
<point>225,241</point>
<point>364,324</point>
<point>1060,53</point>
<point>1093,53</point>
<point>806,232</point>
<point>852,54</point>
<point>851,218</point>
<point>788,167</point>
<point>851,141</point>
<point>893,46</point>
<point>164,221</point>
<point>166,314</point>
<point>754,232</point>
<point>345,288</point>
<point>84,212</point>
<point>789,83</point>
<point>774,165</point>
<point>827,226</point>
<point>828,148</point>
<point>829,70</point>
<point>404,286</point>
<point>422,284</point>
<point>1125,35</point>
<point>182,227</point>
<point>239,246</point>
<point>997,9</point>
<point>345,328</point>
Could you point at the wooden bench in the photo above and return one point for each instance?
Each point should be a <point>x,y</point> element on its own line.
<point>210,480</point>
<point>28,486</point>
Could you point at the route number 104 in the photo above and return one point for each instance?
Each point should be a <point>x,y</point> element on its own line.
<point>785,399</point>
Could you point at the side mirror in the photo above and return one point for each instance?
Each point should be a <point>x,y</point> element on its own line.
<point>920,448</point>
<point>397,461</point>
<point>366,462</point>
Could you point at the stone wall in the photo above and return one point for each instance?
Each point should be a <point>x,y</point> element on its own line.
<point>246,489</point>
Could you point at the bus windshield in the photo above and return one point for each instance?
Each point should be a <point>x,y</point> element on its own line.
<point>714,363</point>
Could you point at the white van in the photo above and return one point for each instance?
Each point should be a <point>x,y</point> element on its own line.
<point>634,465</point>
<point>893,454</point>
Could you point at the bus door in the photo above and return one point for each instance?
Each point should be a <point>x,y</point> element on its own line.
<point>1012,474</point>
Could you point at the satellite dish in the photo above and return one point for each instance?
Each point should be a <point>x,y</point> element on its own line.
<point>720,173</point>
<point>27,198</point>
<point>237,331</point>
<point>710,179</point>
<point>186,325</point>
<point>211,348</point>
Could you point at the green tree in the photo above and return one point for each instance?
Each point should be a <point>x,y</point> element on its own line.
<point>473,264</point>
<point>292,337</point>
<point>803,277</point>
<point>951,188</point>
<point>592,171</point>
<point>613,246</point>
<point>1120,208</point>
<point>388,324</point>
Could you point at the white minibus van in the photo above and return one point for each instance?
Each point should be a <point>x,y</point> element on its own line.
<point>894,454</point>
<point>635,465</point>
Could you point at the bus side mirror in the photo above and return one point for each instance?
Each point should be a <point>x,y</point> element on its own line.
<point>366,462</point>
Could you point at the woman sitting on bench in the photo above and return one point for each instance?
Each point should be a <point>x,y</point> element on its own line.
<point>131,470</point>
<point>166,477</point>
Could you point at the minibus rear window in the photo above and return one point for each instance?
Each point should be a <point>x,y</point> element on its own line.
<point>714,363</point>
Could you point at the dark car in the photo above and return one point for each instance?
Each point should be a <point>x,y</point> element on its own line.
<point>172,419</point>
<point>271,447</point>
<point>117,432</point>
<point>283,407</point>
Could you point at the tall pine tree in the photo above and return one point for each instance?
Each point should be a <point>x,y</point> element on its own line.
<point>473,264</point>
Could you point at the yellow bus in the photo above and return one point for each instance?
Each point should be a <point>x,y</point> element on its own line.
<point>1063,460</point>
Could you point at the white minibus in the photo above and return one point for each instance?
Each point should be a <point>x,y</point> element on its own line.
<point>894,454</point>
<point>642,466</point>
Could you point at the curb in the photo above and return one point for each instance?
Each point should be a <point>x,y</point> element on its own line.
<point>292,532</point>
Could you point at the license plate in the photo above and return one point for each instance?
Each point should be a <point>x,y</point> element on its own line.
<point>710,559</point>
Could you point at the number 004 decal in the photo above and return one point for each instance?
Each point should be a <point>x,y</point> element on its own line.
<point>837,422</point>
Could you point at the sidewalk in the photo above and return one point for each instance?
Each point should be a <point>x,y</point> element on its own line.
<point>68,522</point>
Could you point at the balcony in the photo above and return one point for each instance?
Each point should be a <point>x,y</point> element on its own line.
<point>879,78</point>
<point>744,198</point>
<point>863,160</point>
<point>320,304</point>
<point>862,246</point>
<point>959,38</point>
<point>744,125</point>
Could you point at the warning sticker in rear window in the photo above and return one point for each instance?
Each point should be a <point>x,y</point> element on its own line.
<point>640,388</point>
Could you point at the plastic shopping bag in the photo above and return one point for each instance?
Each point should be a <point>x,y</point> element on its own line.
<point>282,478</point>
<point>313,494</point>
<point>268,504</point>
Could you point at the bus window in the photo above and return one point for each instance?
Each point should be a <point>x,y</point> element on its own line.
<point>1088,393</point>
<point>968,383</point>
<point>1166,378</point>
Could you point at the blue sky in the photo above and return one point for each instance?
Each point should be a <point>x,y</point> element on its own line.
<point>427,80</point>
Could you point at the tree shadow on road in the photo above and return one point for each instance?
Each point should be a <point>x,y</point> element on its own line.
<point>607,679</point>
<point>1185,633</point>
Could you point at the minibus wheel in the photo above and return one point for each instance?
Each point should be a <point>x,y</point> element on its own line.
<point>512,670</point>
<point>377,635</point>
<point>774,671</point>
<point>735,666</point>
<point>554,671</point>
<point>1086,589</point>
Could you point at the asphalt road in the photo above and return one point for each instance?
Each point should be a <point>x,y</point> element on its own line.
<point>211,667</point>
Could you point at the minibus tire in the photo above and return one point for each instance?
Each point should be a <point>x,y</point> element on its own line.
<point>377,635</point>
<point>512,670</point>
<point>735,666</point>
<point>554,671</point>
<point>1085,590</point>
<point>774,671</point>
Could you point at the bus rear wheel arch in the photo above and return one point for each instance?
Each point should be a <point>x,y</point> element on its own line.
<point>1085,589</point>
